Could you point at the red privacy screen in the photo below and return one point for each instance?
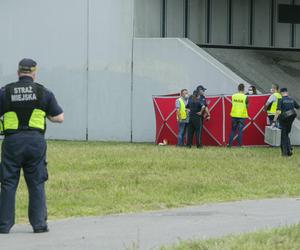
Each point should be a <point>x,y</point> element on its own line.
<point>215,131</point>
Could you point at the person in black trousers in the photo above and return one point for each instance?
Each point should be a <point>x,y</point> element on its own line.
<point>194,127</point>
<point>25,105</point>
<point>286,115</point>
<point>205,115</point>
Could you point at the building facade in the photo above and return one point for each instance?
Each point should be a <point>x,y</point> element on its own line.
<point>220,22</point>
<point>105,59</point>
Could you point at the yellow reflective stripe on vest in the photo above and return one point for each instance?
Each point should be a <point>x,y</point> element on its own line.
<point>273,108</point>
<point>239,107</point>
<point>182,110</point>
<point>11,121</point>
<point>37,119</point>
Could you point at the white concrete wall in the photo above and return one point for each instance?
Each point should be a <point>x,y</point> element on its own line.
<point>148,15</point>
<point>109,79</point>
<point>40,30</point>
<point>163,66</point>
<point>84,54</point>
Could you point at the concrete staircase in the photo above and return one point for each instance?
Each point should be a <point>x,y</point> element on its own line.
<point>262,68</point>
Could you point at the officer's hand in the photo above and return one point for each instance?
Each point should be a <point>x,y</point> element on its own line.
<point>273,124</point>
<point>208,118</point>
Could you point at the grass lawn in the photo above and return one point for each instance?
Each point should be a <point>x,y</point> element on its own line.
<point>94,178</point>
<point>287,238</point>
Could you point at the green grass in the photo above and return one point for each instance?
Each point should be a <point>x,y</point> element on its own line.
<point>278,239</point>
<point>93,178</point>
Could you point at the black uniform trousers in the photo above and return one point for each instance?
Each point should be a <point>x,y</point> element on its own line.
<point>26,150</point>
<point>286,127</point>
<point>195,127</point>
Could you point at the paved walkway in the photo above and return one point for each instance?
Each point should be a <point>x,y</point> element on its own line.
<point>153,229</point>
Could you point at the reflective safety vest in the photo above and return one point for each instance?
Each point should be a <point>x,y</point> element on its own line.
<point>182,110</point>
<point>22,109</point>
<point>239,106</point>
<point>272,110</point>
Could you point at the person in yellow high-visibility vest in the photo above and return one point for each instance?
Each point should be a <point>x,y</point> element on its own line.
<point>272,103</point>
<point>238,114</point>
<point>182,115</point>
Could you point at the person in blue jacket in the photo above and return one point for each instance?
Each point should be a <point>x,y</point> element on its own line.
<point>286,115</point>
<point>196,108</point>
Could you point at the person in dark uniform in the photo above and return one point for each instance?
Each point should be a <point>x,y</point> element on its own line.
<point>205,115</point>
<point>196,110</point>
<point>286,115</point>
<point>24,106</point>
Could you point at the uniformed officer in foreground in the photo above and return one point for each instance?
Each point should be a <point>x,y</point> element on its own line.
<point>286,115</point>
<point>24,106</point>
<point>238,114</point>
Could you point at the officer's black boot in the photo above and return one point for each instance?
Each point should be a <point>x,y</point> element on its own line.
<point>41,230</point>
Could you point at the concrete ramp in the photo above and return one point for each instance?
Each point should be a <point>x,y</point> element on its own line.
<point>167,65</point>
<point>262,68</point>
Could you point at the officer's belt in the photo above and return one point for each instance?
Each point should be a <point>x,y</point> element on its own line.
<point>22,129</point>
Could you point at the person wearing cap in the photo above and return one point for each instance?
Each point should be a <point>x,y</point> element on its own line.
<point>196,109</point>
<point>286,115</point>
<point>238,114</point>
<point>205,114</point>
<point>182,115</point>
<point>272,102</point>
<point>24,105</point>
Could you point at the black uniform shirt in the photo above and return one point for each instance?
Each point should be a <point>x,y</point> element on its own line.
<point>287,103</point>
<point>194,107</point>
<point>202,100</point>
<point>48,102</point>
